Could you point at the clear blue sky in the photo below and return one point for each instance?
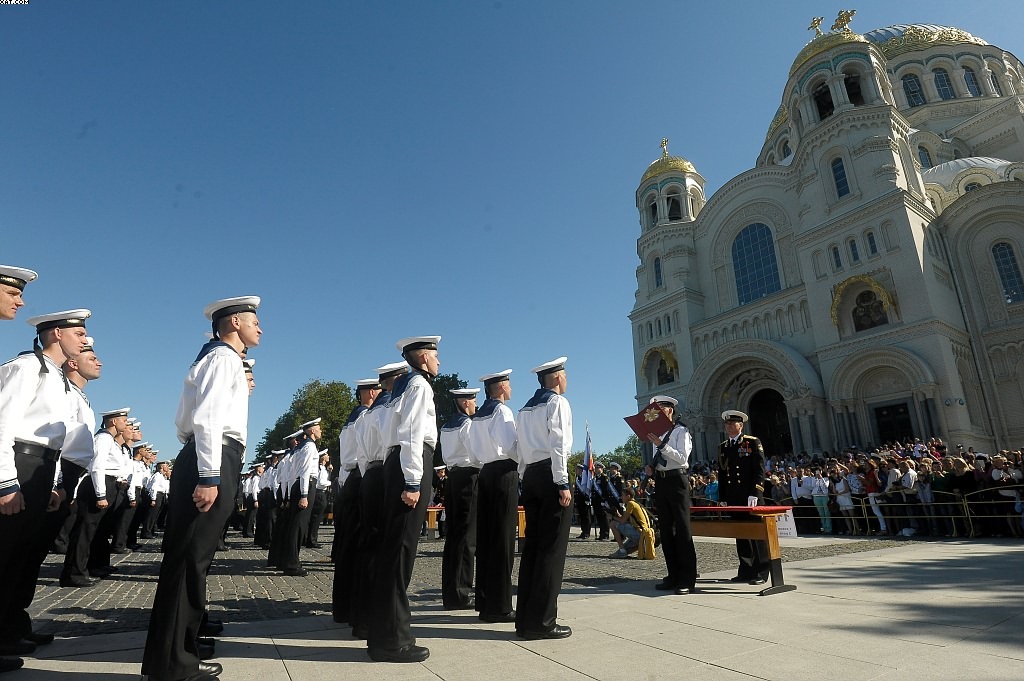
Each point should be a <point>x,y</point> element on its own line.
<point>375,170</point>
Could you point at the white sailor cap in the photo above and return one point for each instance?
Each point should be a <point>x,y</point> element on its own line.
<point>140,445</point>
<point>417,343</point>
<point>464,392</point>
<point>310,424</point>
<point>136,423</point>
<point>550,367</point>
<point>89,342</point>
<point>16,276</point>
<point>226,307</point>
<point>497,377</point>
<point>59,320</point>
<point>131,420</point>
<point>296,434</point>
<point>277,452</point>
<point>665,399</point>
<point>393,369</point>
<point>321,452</point>
<point>123,411</point>
<point>733,415</point>
<point>248,364</point>
<point>440,468</point>
<point>364,383</point>
<point>154,451</point>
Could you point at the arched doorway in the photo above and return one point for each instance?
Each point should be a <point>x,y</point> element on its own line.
<point>769,421</point>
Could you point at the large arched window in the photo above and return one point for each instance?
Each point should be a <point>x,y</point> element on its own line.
<point>839,175</point>
<point>754,263</point>
<point>995,85</point>
<point>853,90</point>
<point>675,207</point>
<point>657,273</point>
<point>943,85</point>
<point>822,97</point>
<point>652,212</point>
<point>1009,272</point>
<point>924,157</point>
<point>912,89</point>
<point>872,244</point>
<point>971,81</point>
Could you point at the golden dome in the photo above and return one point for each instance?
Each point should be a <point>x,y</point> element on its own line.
<point>667,164</point>
<point>823,43</point>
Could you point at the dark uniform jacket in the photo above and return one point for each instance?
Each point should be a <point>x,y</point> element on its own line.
<point>741,470</point>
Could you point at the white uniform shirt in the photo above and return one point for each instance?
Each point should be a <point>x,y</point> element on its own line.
<point>34,408</point>
<point>545,431</point>
<point>371,436</point>
<point>214,404</point>
<point>108,461</point>
<point>307,461</point>
<point>493,436</point>
<point>413,425</point>
<point>78,443</point>
<point>269,478</point>
<point>323,480</point>
<point>349,446</point>
<point>285,474</point>
<point>676,451</point>
<point>158,483</point>
<point>455,444</point>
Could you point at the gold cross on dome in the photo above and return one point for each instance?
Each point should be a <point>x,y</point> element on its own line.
<point>664,146</point>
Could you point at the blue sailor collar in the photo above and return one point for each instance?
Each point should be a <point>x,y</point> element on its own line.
<point>455,422</point>
<point>403,382</point>
<point>489,406</point>
<point>355,414</point>
<point>210,347</point>
<point>542,396</point>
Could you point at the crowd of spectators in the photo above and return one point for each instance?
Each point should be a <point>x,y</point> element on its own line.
<point>906,489</point>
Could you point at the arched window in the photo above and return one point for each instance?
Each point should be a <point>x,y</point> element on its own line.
<point>650,331</point>
<point>912,89</point>
<point>675,207</point>
<point>971,186</point>
<point>854,254</point>
<point>668,324</point>
<point>786,151</point>
<point>837,259</point>
<point>853,91</point>
<point>754,263</point>
<point>971,81</point>
<point>1009,272</point>
<point>659,327</point>
<point>822,97</point>
<point>872,244</point>
<point>652,212</point>
<point>924,157</point>
<point>657,273</point>
<point>995,85</point>
<point>943,85</point>
<point>839,175</point>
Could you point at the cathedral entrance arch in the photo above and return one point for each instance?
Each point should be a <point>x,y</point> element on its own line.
<point>893,423</point>
<point>769,422</point>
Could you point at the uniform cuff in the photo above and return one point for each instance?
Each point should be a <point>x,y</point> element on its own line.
<point>564,486</point>
<point>412,488</point>
<point>9,488</point>
<point>209,480</point>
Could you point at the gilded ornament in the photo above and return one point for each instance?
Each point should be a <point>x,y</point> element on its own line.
<point>887,299</point>
<point>781,116</point>
<point>651,414</point>
<point>922,37</point>
<point>667,164</point>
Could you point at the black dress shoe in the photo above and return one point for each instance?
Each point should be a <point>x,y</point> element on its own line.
<point>498,618</point>
<point>9,664</point>
<point>314,545</point>
<point>758,580</point>
<point>210,629</point>
<point>77,581</point>
<point>410,653</point>
<point>469,605</point>
<point>685,591</point>
<point>665,586</point>
<point>39,639</point>
<point>296,572</point>
<point>556,631</point>
<point>214,622</point>
<point>739,579</point>
<point>361,632</point>
<point>18,648</point>
<point>212,668</point>
<point>122,550</point>
<point>222,547</point>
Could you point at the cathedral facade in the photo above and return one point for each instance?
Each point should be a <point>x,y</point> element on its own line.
<point>862,283</point>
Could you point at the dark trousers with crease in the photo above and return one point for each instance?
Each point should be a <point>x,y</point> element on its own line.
<point>497,519</point>
<point>190,542</point>
<point>87,522</point>
<point>298,526</point>
<point>346,541</point>
<point>371,513</point>
<point>265,516</point>
<point>400,535</point>
<point>27,541</point>
<point>543,559</point>
<point>672,503</point>
<point>460,541</point>
<point>316,516</point>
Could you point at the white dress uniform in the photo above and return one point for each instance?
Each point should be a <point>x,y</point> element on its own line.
<point>460,507</point>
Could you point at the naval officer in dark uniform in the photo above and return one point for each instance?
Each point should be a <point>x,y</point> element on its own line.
<point>741,466</point>
<point>212,424</point>
<point>545,445</point>
<point>411,435</point>
<point>672,502</point>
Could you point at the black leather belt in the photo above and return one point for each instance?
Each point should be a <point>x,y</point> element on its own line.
<point>373,464</point>
<point>32,449</point>
<point>538,464</point>
<point>671,472</point>
<point>352,468</point>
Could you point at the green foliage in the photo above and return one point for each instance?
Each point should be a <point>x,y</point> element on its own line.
<point>444,405</point>
<point>628,455</point>
<point>331,401</point>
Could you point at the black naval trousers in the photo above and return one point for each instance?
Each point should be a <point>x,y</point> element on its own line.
<point>399,537</point>
<point>71,473</point>
<point>346,540</point>
<point>190,542</point>
<point>98,555</point>
<point>87,520</point>
<point>460,542</point>
<point>672,503</point>
<point>149,528</point>
<point>582,502</point>
<point>497,520</point>
<point>316,516</point>
<point>371,513</point>
<point>543,559</point>
<point>280,531</point>
<point>265,516</point>
<point>25,539</point>
<point>298,526</point>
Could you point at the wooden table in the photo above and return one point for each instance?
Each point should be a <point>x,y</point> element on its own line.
<point>434,514</point>
<point>746,522</point>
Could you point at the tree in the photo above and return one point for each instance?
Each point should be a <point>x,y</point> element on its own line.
<point>444,405</point>
<point>628,455</point>
<point>332,402</point>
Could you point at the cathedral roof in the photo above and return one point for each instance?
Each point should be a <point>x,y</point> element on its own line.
<point>899,38</point>
<point>944,173</point>
<point>822,43</point>
<point>667,164</point>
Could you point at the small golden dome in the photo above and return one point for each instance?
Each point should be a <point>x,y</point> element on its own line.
<point>667,164</point>
<point>823,43</point>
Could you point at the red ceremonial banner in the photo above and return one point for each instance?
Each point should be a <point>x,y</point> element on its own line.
<point>651,419</point>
